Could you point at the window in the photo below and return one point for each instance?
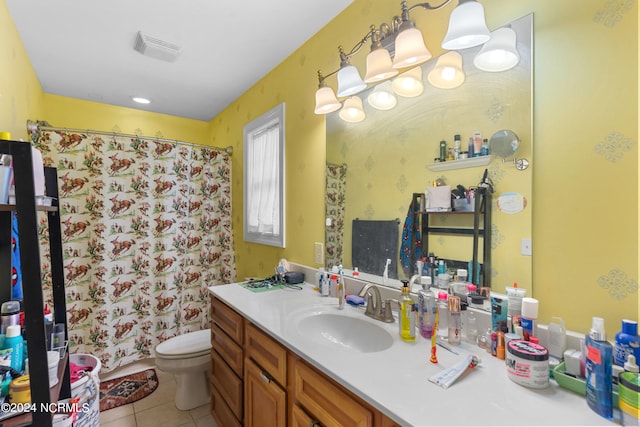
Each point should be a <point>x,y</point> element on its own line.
<point>264,179</point>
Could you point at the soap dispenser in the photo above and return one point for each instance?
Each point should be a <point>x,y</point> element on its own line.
<point>407,316</point>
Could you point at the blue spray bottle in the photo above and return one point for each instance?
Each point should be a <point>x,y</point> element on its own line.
<point>598,369</point>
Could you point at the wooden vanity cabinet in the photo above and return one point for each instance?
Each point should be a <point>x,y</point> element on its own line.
<point>257,382</point>
<point>227,370</point>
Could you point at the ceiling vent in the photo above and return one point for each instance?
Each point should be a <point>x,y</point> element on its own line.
<point>156,48</point>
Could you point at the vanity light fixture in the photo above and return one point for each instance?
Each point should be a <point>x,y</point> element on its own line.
<point>326,101</point>
<point>382,97</point>
<point>352,111</point>
<point>349,80</point>
<point>401,45</point>
<point>448,72</point>
<point>409,84</point>
<point>499,53</point>
<point>467,26</point>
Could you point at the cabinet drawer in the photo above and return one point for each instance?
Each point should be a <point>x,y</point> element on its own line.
<point>267,353</point>
<point>227,383</point>
<point>221,412</point>
<point>299,418</point>
<point>265,401</point>
<point>325,401</point>
<point>227,319</point>
<point>227,348</point>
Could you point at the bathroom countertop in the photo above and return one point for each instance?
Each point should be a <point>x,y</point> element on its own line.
<point>395,380</point>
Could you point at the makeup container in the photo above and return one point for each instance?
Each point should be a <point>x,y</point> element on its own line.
<point>527,364</point>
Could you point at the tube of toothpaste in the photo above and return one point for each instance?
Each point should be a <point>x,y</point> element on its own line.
<point>447,377</point>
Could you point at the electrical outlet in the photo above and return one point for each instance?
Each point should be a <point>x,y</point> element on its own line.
<point>525,247</point>
<point>319,252</point>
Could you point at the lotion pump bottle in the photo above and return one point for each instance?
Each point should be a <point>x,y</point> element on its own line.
<point>598,370</point>
<point>407,317</point>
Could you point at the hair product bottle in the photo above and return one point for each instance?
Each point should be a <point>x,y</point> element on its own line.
<point>598,369</point>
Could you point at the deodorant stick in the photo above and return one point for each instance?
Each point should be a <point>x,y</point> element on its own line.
<point>529,317</point>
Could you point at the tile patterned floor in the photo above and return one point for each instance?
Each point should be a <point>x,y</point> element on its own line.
<point>157,409</point>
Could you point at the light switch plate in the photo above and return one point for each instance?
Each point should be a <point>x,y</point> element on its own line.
<point>525,247</point>
<point>319,252</point>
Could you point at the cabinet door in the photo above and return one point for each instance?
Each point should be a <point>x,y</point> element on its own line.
<point>299,418</point>
<point>326,401</point>
<point>265,401</point>
<point>267,353</point>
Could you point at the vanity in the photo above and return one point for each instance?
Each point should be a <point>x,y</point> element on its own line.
<point>290,357</point>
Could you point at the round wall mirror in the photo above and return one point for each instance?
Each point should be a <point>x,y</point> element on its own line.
<point>505,143</point>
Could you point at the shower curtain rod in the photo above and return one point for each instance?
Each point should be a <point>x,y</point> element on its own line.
<point>228,150</point>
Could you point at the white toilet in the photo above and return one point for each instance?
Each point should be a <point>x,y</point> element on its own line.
<point>188,357</point>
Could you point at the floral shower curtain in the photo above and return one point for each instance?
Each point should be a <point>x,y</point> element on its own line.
<point>335,203</point>
<point>146,229</point>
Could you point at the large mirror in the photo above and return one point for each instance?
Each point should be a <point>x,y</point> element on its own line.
<point>375,166</point>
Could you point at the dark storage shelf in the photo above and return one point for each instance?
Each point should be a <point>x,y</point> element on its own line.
<point>27,215</point>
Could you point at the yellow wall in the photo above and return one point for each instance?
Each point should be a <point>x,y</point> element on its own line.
<point>585,205</point>
<point>20,92</point>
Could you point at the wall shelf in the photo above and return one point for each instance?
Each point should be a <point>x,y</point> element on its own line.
<point>460,164</point>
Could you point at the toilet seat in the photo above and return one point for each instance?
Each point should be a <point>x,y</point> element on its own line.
<point>189,345</point>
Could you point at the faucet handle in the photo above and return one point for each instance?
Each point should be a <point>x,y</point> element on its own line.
<point>369,310</point>
<point>388,315</point>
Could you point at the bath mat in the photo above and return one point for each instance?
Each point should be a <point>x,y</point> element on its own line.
<point>127,389</point>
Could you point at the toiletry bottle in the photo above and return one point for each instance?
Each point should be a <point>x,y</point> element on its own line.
<point>443,315</point>
<point>514,296</point>
<point>627,342</point>
<point>471,327</point>
<point>529,320</point>
<point>598,369</point>
<point>427,310</point>
<point>470,147</point>
<point>456,147</point>
<point>477,144</point>
<point>15,342</point>
<point>500,345</point>
<point>455,322</point>
<point>341,292</point>
<point>407,316</point>
<point>484,151</point>
<point>443,150</point>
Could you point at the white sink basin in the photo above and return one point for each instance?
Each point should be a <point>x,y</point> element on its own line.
<point>342,329</point>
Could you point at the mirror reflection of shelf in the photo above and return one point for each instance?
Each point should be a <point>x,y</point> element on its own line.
<point>460,164</point>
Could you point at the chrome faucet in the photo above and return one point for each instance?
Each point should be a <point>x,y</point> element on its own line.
<point>375,307</point>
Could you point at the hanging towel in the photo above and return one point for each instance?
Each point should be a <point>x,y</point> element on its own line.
<point>16,271</point>
<point>410,231</point>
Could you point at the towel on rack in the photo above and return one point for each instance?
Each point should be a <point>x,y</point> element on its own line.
<point>372,243</point>
<point>410,232</point>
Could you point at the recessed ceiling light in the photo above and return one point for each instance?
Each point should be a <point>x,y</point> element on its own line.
<point>141,100</point>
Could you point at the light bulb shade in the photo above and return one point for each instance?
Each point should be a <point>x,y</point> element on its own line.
<point>467,27</point>
<point>382,97</point>
<point>499,53</point>
<point>409,83</point>
<point>448,72</point>
<point>326,101</point>
<point>349,81</point>
<point>379,66</point>
<point>410,49</point>
<point>352,110</point>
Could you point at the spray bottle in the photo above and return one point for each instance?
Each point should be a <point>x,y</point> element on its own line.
<point>598,369</point>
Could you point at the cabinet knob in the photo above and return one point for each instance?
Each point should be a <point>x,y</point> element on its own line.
<point>314,423</point>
